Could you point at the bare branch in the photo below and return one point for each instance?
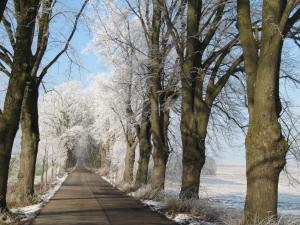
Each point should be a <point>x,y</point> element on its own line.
<point>45,69</point>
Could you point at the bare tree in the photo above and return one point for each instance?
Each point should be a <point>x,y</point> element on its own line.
<point>265,144</point>
<point>162,88</point>
<point>29,115</point>
<point>207,61</point>
<point>20,74</point>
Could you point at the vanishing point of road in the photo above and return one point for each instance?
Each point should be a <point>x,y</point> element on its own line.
<point>86,199</point>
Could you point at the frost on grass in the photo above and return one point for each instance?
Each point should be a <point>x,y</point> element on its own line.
<point>27,213</point>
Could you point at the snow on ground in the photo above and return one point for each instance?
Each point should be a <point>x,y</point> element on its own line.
<point>29,212</point>
<point>182,218</point>
<point>228,187</point>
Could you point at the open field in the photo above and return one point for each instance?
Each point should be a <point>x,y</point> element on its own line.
<point>228,187</point>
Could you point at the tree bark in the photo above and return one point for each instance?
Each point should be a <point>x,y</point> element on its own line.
<point>105,149</point>
<point>30,141</point>
<point>160,149</point>
<point>159,113</point>
<point>194,155</point>
<point>194,114</point>
<point>10,117</point>
<point>144,136</point>
<point>266,148</point>
<point>129,162</point>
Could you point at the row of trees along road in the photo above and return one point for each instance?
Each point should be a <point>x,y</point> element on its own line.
<point>25,70</point>
<point>197,53</point>
<point>191,53</point>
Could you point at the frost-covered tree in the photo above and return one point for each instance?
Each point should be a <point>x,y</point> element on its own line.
<point>148,55</point>
<point>65,120</point>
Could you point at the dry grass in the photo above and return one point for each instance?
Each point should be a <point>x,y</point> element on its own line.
<point>196,208</point>
<point>147,193</point>
<point>14,202</point>
<point>201,209</point>
<point>126,187</point>
<point>283,220</point>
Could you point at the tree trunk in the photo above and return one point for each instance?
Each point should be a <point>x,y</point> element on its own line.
<point>105,149</point>
<point>160,150</point>
<point>103,156</point>
<point>159,111</point>
<point>71,159</point>
<point>266,147</point>
<point>160,159</point>
<point>30,141</point>
<point>144,135</point>
<point>10,117</point>
<point>129,163</point>
<point>193,133</point>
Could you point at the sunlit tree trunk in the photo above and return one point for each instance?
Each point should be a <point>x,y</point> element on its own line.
<point>30,141</point>
<point>193,130</point>
<point>144,136</point>
<point>129,162</point>
<point>266,148</point>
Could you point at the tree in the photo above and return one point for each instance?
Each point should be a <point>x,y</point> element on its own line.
<point>207,58</point>
<point>266,147</point>
<point>29,115</point>
<point>162,81</point>
<point>20,74</point>
<point>65,124</point>
<point>144,136</point>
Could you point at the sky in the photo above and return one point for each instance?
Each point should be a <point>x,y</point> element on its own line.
<point>233,153</point>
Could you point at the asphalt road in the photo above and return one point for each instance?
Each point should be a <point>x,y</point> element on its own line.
<point>86,199</point>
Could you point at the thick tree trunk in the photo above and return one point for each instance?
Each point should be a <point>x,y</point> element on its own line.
<point>193,133</point>
<point>266,147</point>
<point>160,150</point>
<point>10,117</point>
<point>30,141</point>
<point>145,147</point>
<point>265,160</point>
<point>129,163</point>
<point>160,159</point>
<point>159,110</point>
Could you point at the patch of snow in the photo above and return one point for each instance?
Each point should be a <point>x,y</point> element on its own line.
<point>57,184</point>
<point>183,218</point>
<point>106,179</point>
<point>154,205</point>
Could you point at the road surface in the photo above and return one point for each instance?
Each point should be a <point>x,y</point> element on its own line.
<point>86,199</point>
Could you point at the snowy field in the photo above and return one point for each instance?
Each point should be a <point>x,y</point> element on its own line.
<point>228,188</point>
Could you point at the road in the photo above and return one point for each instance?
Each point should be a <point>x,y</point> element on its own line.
<point>86,199</point>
